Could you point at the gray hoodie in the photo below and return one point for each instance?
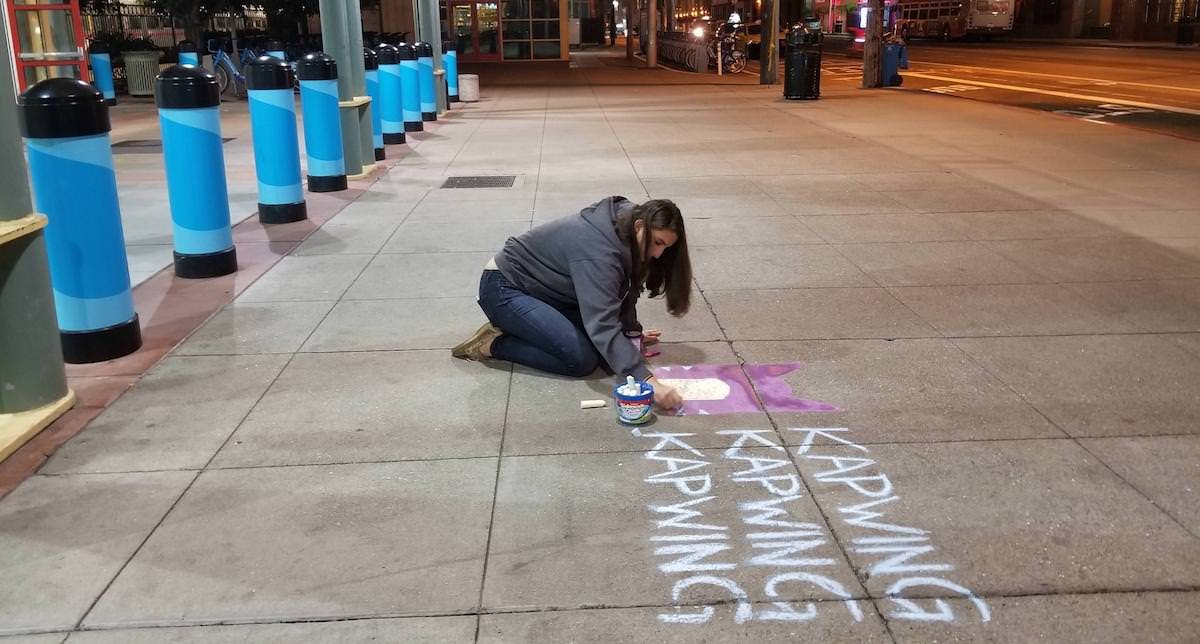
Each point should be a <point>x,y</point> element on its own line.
<point>579,262</point>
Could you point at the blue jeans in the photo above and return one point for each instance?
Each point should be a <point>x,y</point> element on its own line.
<point>536,334</point>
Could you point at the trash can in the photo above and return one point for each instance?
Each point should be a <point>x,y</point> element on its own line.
<point>141,68</point>
<point>468,87</point>
<point>895,58</point>
<point>802,63</point>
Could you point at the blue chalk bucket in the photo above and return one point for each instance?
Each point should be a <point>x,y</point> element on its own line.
<point>635,410</point>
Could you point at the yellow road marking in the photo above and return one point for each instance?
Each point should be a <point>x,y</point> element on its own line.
<point>1082,78</point>
<point>1050,92</point>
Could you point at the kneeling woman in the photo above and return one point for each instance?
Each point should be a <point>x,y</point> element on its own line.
<point>563,296</point>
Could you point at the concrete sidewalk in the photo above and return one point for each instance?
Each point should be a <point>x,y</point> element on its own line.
<point>996,310</point>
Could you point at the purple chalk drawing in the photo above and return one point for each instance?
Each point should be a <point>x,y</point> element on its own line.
<point>710,389</point>
<point>776,394</point>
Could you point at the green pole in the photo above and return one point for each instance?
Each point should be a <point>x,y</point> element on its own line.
<point>429,30</point>
<point>334,30</point>
<point>358,80</point>
<point>32,374</point>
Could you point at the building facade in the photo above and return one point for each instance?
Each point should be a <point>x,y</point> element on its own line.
<point>493,30</point>
<point>1146,20</point>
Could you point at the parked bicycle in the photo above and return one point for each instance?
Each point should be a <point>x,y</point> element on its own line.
<point>729,41</point>
<point>229,75</point>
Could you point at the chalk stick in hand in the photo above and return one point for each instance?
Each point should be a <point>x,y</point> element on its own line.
<point>592,404</point>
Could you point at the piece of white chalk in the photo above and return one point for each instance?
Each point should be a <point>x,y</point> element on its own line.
<point>592,404</point>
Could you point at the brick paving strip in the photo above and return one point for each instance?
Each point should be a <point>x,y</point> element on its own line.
<point>171,309</point>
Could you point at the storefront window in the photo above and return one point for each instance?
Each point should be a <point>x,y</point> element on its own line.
<point>545,8</point>
<point>516,50</point>
<point>546,49</point>
<point>516,30</point>
<point>531,30</point>
<point>516,9</point>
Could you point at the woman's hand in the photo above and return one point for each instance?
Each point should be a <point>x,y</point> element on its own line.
<point>651,336</point>
<point>666,397</point>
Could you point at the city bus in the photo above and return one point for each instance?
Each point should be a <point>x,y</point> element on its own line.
<point>951,19</point>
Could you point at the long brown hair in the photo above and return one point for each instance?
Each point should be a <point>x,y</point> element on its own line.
<point>671,273</point>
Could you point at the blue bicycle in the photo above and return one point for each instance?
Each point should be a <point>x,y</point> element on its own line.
<point>226,72</point>
<point>229,74</point>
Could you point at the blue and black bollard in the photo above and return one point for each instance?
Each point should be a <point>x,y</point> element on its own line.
<point>100,58</point>
<point>410,81</point>
<point>371,73</point>
<point>428,92</point>
<point>188,54</point>
<point>189,102</point>
<point>450,62</point>
<point>274,48</point>
<point>390,94</point>
<point>65,125</point>
<point>322,123</point>
<point>276,149</point>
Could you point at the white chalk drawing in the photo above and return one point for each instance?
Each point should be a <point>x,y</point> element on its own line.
<point>768,546</point>
<point>896,548</point>
<point>701,389</point>
<point>1103,111</point>
<point>952,89</point>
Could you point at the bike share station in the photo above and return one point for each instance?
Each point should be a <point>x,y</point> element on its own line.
<point>79,275</point>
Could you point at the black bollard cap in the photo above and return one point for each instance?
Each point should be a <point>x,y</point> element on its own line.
<point>317,66</point>
<point>99,48</point>
<point>388,55</point>
<point>407,52</point>
<point>370,58</point>
<point>448,46</point>
<point>424,50</point>
<point>61,107</point>
<point>185,86</point>
<point>187,46</point>
<point>268,72</point>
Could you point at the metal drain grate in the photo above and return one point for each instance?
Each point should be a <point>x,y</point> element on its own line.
<point>143,146</point>
<point>499,181</point>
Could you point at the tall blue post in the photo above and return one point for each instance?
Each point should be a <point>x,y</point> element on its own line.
<point>322,124</point>
<point>188,101</point>
<point>450,62</point>
<point>65,125</point>
<point>275,49</point>
<point>276,148</point>
<point>390,94</point>
<point>428,92</point>
<point>188,54</point>
<point>410,81</point>
<point>100,58</point>
<point>371,74</point>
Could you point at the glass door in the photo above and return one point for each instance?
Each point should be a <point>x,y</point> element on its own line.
<point>462,25</point>
<point>47,40</point>
<point>476,28</point>
<point>487,17</point>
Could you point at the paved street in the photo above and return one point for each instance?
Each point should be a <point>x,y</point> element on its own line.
<point>949,353</point>
<point>1154,89</point>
